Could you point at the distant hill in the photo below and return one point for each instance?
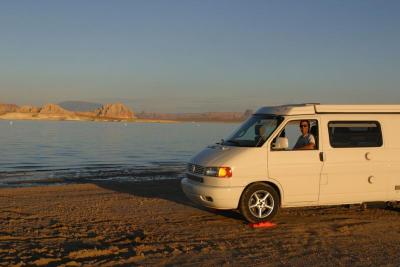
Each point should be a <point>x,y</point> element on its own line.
<point>80,106</point>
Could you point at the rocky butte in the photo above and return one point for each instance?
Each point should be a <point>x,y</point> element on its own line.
<point>28,109</point>
<point>117,110</point>
<point>6,108</point>
<point>54,109</point>
<point>107,112</point>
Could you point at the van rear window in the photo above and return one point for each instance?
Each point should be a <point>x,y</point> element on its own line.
<point>355,134</point>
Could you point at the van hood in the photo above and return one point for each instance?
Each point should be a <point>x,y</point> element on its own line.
<point>216,155</point>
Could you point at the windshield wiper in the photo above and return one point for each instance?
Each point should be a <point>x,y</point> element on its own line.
<point>233,142</point>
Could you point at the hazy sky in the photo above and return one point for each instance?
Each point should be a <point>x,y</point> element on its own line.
<point>199,55</point>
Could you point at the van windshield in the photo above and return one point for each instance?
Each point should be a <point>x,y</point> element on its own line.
<point>255,131</point>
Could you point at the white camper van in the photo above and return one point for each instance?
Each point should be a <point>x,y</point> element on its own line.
<point>348,154</point>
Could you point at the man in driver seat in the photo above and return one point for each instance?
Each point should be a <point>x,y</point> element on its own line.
<point>305,140</point>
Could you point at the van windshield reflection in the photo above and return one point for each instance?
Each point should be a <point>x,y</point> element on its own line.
<point>254,132</point>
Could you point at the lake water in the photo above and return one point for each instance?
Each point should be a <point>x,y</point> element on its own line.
<point>45,152</point>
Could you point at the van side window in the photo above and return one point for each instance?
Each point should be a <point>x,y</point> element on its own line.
<point>355,134</point>
<point>292,137</point>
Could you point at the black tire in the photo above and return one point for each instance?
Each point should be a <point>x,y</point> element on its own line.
<point>259,202</point>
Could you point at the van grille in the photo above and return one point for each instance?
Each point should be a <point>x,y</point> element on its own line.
<point>196,169</point>
<point>194,178</point>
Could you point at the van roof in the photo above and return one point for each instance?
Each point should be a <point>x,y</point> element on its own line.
<point>312,108</point>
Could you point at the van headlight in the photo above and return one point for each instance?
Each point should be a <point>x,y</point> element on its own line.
<point>221,172</point>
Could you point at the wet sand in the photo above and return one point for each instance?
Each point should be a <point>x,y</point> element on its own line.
<point>153,224</point>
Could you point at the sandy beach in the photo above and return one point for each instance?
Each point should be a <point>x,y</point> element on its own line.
<point>153,224</point>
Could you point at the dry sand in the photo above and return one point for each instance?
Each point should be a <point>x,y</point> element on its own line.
<point>153,224</point>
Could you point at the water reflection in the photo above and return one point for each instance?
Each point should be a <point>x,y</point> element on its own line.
<point>35,152</point>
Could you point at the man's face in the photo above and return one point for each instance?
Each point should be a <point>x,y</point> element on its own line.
<point>304,127</point>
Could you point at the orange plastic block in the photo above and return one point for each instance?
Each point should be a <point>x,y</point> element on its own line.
<point>263,225</point>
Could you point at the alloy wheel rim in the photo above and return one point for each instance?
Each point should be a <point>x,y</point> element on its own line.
<point>261,204</point>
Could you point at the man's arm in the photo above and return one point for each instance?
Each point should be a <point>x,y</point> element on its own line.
<point>309,146</point>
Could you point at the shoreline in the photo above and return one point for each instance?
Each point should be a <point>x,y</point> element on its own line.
<point>154,224</point>
<point>62,117</point>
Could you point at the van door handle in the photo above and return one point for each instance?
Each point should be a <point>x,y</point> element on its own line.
<point>321,156</point>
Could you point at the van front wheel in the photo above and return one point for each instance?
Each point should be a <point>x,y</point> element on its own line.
<point>259,202</point>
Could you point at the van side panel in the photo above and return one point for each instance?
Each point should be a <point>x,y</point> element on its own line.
<point>357,174</point>
<point>391,135</point>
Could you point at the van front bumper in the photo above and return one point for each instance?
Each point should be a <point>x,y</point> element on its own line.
<point>212,196</point>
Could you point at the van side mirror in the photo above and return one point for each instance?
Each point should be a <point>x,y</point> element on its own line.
<point>281,143</point>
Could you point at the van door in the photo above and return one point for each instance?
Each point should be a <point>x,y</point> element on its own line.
<point>297,170</point>
<point>352,172</point>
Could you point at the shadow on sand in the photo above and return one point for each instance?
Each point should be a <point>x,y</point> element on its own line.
<point>164,189</point>
<point>171,190</point>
